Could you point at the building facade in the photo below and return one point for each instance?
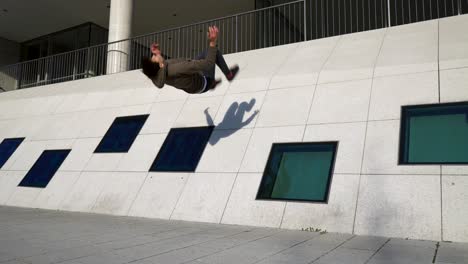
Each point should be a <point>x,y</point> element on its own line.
<point>362,133</point>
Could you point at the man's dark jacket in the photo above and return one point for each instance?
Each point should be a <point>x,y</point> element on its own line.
<point>185,74</point>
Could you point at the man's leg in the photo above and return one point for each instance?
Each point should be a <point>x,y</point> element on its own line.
<point>210,73</point>
<point>221,63</point>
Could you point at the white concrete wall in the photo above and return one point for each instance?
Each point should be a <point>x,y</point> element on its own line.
<point>348,88</point>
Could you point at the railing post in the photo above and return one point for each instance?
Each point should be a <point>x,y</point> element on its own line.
<point>88,58</point>
<point>389,20</point>
<point>178,43</point>
<point>75,61</point>
<point>237,34</point>
<point>305,20</point>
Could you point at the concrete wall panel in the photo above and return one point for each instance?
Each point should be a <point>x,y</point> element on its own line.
<point>453,85</point>
<point>455,207</point>
<point>391,92</point>
<point>453,45</point>
<point>409,49</point>
<point>399,206</point>
<point>8,184</point>
<point>353,58</point>
<point>286,107</point>
<point>118,194</point>
<point>85,191</point>
<point>303,65</point>
<point>159,195</point>
<point>204,197</point>
<point>57,189</point>
<point>341,102</point>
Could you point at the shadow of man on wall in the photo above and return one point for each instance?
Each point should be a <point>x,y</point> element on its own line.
<point>232,120</point>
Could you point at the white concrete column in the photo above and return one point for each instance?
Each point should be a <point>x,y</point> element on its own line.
<point>120,27</point>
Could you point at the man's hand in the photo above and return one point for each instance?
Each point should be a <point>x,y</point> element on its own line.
<point>155,50</point>
<point>160,60</point>
<point>213,35</point>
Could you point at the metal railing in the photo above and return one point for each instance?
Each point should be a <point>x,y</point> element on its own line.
<point>336,17</point>
<point>276,25</point>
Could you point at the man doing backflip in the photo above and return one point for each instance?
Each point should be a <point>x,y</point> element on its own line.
<point>192,76</point>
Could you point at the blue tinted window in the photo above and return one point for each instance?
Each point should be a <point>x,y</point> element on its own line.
<point>182,149</point>
<point>7,148</point>
<point>434,134</point>
<point>121,134</point>
<point>298,171</point>
<point>44,169</point>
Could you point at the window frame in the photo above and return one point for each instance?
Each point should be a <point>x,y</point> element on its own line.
<point>331,171</point>
<point>97,151</point>
<point>165,143</point>
<point>22,139</point>
<point>402,142</point>
<point>35,163</point>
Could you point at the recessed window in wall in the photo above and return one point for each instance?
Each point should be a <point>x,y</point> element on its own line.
<point>182,149</point>
<point>298,171</point>
<point>121,134</point>
<point>7,148</point>
<point>44,169</point>
<point>434,134</point>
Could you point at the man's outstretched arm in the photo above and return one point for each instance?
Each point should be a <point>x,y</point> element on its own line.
<point>160,79</point>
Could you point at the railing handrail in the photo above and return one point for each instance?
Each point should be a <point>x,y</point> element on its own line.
<point>212,20</point>
<point>154,33</point>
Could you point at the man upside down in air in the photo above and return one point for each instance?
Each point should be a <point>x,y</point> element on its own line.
<point>192,76</point>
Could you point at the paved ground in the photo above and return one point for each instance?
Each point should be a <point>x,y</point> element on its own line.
<point>37,236</point>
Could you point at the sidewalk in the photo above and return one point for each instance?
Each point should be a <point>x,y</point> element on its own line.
<point>38,236</point>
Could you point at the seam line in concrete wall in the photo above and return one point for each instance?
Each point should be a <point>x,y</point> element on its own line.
<point>60,203</point>
<point>365,132</point>
<point>256,172</point>
<point>403,74</point>
<point>180,195</point>
<point>248,143</point>
<point>440,180</point>
<point>136,194</point>
<point>310,108</point>
<point>441,207</point>
<point>438,56</point>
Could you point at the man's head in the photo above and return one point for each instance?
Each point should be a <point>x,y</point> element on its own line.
<point>149,67</point>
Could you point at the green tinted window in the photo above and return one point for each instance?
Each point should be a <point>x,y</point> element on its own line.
<point>434,134</point>
<point>298,171</point>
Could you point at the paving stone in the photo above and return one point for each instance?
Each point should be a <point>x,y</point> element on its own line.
<point>259,249</point>
<point>452,253</point>
<point>62,255</point>
<point>240,238</point>
<point>399,253</point>
<point>103,258</point>
<point>346,255</point>
<point>179,256</point>
<point>365,243</point>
